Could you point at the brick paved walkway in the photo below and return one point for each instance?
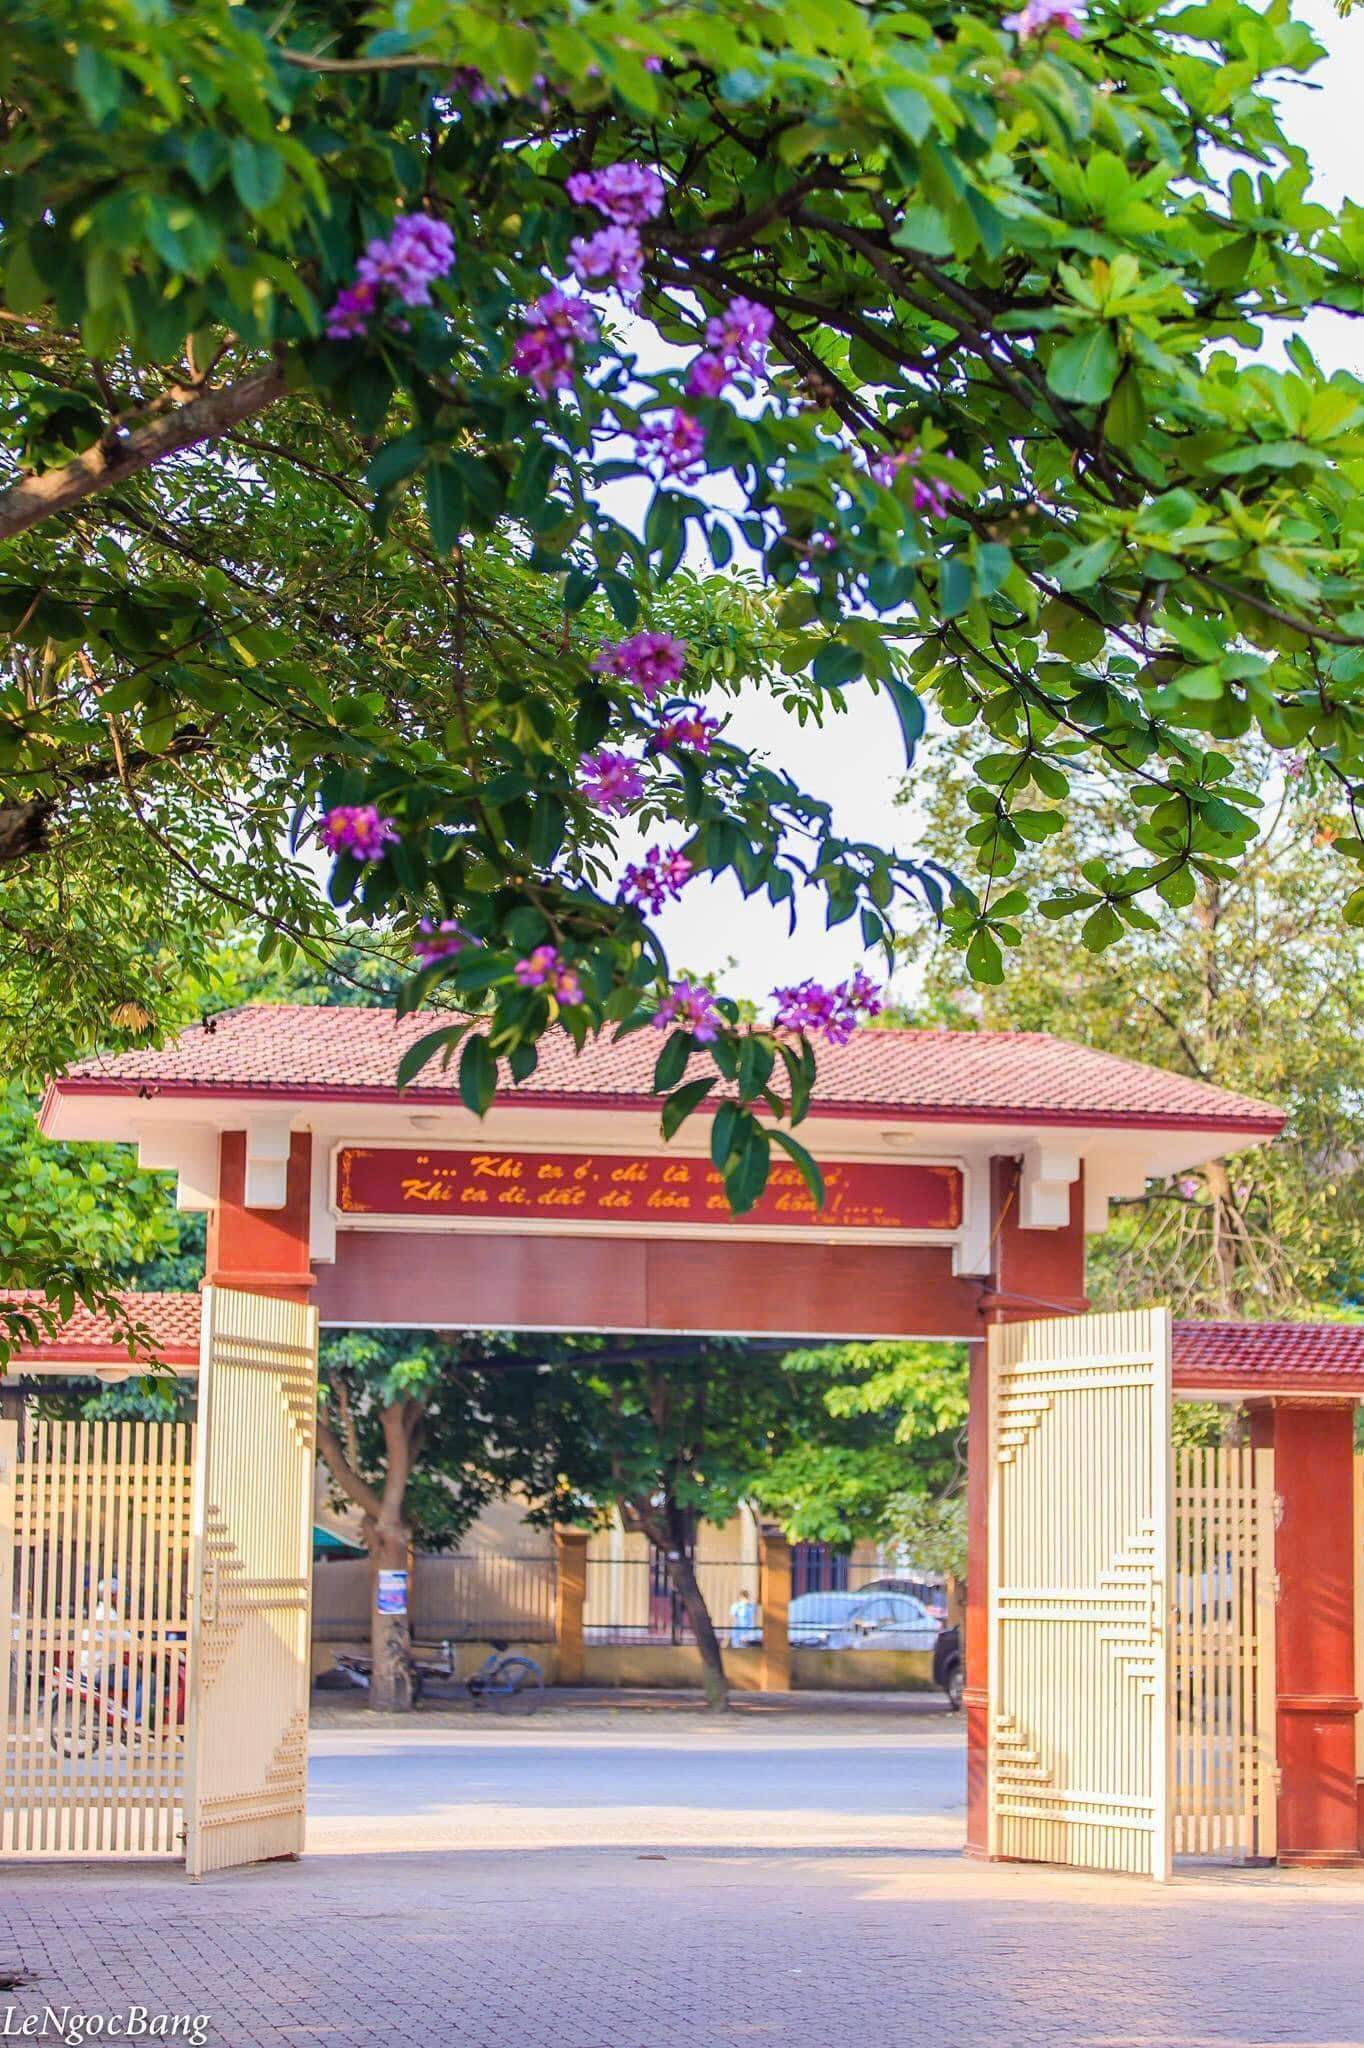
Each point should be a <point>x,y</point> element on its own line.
<point>750,1940</point>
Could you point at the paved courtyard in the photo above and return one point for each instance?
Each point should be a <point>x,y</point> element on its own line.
<point>659,1881</point>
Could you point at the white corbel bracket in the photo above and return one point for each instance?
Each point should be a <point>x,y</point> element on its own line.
<point>1049,1173</point>
<point>190,1152</point>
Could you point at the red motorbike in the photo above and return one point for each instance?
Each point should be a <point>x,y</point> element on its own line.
<point>92,1706</point>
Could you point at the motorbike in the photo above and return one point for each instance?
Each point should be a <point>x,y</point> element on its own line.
<point>97,1704</point>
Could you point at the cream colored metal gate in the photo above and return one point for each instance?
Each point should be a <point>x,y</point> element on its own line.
<point>1079,1591</point>
<point>252,1571</point>
<point>1223,1646</point>
<point>94,1583</point>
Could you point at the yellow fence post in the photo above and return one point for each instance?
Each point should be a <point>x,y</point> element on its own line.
<point>774,1595</point>
<point>570,1594</point>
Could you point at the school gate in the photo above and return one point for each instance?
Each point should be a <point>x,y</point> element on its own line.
<point>964,1171</point>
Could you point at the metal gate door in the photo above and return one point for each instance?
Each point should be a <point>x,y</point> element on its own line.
<point>1079,1590</point>
<point>253,1491</point>
<point>1224,1666</point>
<point>94,1584</point>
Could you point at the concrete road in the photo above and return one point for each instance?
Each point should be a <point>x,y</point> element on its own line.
<point>639,1882</point>
<point>633,1781</point>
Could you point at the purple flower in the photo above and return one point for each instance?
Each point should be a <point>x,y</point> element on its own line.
<point>652,660</point>
<point>693,1008</point>
<point>739,335</point>
<point>545,968</point>
<point>653,63</point>
<point>627,194</point>
<point>1188,1187</point>
<point>348,318</point>
<point>707,376</point>
<point>468,79</point>
<point>818,544</point>
<point>1296,769</point>
<point>546,348</point>
<point>658,881</point>
<point>416,251</point>
<point>614,255</point>
<point>931,496</point>
<point>688,728</point>
<point>610,780</point>
<point>439,941</point>
<point>834,1012</point>
<point>1037,16</point>
<point>357,829</point>
<point>677,445</point>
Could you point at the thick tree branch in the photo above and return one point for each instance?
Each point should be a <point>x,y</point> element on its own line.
<point>206,418</point>
<point>349,1480</point>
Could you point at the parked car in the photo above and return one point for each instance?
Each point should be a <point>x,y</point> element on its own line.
<point>861,1621</point>
<point>949,1666</point>
<point>934,1597</point>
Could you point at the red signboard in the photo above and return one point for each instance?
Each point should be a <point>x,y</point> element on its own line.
<point>596,1187</point>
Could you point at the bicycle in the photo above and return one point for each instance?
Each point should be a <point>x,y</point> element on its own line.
<point>511,1684</point>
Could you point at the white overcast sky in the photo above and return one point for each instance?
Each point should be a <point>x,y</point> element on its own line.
<point>855,761</point>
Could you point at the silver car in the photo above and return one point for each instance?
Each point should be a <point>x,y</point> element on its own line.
<point>861,1621</point>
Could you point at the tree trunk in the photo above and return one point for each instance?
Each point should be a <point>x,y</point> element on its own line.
<point>390,1686</point>
<point>683,1575</point>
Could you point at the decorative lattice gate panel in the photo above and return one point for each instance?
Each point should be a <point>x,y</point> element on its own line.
<point>1223,1654</point>
<point>253,1563</point>
<point>1079,1591</point>
<point>94,1637</point>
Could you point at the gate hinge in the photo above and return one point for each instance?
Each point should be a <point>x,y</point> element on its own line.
<point>1278,1511</point>
<point>1275,1587</point>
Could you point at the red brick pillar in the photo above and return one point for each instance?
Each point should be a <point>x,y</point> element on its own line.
<point>264,1251</point>
<point>1313,1444</point>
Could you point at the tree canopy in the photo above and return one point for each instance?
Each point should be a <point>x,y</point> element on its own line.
<point>366,381</point>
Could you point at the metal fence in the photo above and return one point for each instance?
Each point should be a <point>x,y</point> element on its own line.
<point>478,1598</point>
<point>631,1600</point>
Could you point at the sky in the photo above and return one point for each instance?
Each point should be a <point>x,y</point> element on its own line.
<point>856,762</point>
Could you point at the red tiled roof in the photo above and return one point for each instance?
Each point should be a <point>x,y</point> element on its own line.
<point>171,1322</point>
<point>319,1053</point>
<point>1324,1358</point>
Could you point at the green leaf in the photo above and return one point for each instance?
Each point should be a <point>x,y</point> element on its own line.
<point>99,82</point>
<point>909,710</point>
<point>477,1076</point>
<point>984,960</point>
<point>444,506</point>
<point>426,1048</point>
<point>257,173</point>
<point>671,1064</point>
<point>1101,928</point>
<point>808,1164</point>
<point>682,1102</point>
<point>1085,368</point>
<point>1083,567</point>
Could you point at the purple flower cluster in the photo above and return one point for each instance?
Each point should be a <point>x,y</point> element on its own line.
<point>439,941</point>
<point>610,780</point>
<point>357,829</point>
<point>735,340</point>
<point>546,968</point>
<point>627,194</point>
<point>546,348</point>
<point>468,79</point>
<point>831,1011</point>
<point>1037,16</point>
<point>677,444</point>
<point>652,660</point>
<point>689,729</point>
<point>416,252</point>
<point>611,256</point>
<point>658,881</point>
<point>932,496</point>
<point>691,1007</point>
